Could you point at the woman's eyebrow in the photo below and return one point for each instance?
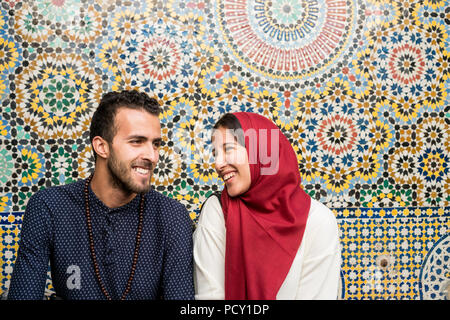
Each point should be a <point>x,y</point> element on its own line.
<point>224,145</point>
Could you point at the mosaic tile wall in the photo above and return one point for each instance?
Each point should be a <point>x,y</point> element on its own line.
<point>359,87</point>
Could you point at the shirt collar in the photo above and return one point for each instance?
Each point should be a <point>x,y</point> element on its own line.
<point>131,206</point>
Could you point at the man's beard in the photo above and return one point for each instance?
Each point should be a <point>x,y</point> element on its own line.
<point>121,176</point>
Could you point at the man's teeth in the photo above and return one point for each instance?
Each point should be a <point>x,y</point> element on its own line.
<point>141,170</point>
<point>228,176</point>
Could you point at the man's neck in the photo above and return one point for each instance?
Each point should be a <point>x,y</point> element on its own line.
<point>104,189</point>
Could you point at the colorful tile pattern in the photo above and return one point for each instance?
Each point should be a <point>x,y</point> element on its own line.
<point>360,87</point>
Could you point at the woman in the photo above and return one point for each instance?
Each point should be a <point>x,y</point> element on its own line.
<point>264,238</point>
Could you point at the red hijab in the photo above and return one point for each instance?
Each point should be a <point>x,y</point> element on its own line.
<point>265,225</point>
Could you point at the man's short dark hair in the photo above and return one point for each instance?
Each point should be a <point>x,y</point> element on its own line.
<point>102,123</point>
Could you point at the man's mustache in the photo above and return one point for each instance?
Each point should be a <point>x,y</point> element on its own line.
<point>143,164</point>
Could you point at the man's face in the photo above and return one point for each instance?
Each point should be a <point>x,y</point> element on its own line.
<point>134,151</point>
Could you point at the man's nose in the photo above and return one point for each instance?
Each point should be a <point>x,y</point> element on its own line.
<point>151,153</point>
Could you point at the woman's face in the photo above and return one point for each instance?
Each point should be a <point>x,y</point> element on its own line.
<point>231,161</point>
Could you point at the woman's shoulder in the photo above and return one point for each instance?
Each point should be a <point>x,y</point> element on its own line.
<point>321,217</point>
<point>212,200</point>
<point>322,231</point>
<point>211,214</point>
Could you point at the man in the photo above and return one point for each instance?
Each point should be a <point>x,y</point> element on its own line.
<point>110,236</point>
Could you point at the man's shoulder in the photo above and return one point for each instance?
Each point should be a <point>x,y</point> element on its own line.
<point>157,198</point>
<point>59,192</point>
<point>55,201</point>
<point>169,211</point>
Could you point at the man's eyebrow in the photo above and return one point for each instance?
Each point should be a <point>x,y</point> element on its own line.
<point>137,137</point>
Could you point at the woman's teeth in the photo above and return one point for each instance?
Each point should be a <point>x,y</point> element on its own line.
<point>228,176</point>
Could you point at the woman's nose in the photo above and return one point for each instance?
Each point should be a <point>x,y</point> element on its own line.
<point>219,161</point>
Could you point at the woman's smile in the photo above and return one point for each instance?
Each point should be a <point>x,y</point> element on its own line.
<point>228,176</point>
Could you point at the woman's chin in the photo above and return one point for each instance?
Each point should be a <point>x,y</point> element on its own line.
<point>235,191</point>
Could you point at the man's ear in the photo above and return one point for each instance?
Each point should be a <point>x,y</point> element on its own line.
<point>101,147</point>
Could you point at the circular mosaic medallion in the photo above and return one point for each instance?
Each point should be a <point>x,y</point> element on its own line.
<point>435,273</point>
<point>155,55</point>
<point>57,93</point>
<point>286,39</point>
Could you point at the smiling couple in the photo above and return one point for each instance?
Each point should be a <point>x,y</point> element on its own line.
<point>112,236</point>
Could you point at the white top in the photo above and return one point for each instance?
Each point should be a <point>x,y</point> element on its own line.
<point>314,273</point>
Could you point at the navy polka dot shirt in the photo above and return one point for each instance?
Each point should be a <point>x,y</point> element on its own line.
<point>54,229</point>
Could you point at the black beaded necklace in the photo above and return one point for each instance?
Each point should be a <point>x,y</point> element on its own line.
<point>92,249</point>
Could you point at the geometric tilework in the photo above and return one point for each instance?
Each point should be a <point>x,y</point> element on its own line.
<point>359,87</point>
<point>10,235</point>
<point>383,257</point>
